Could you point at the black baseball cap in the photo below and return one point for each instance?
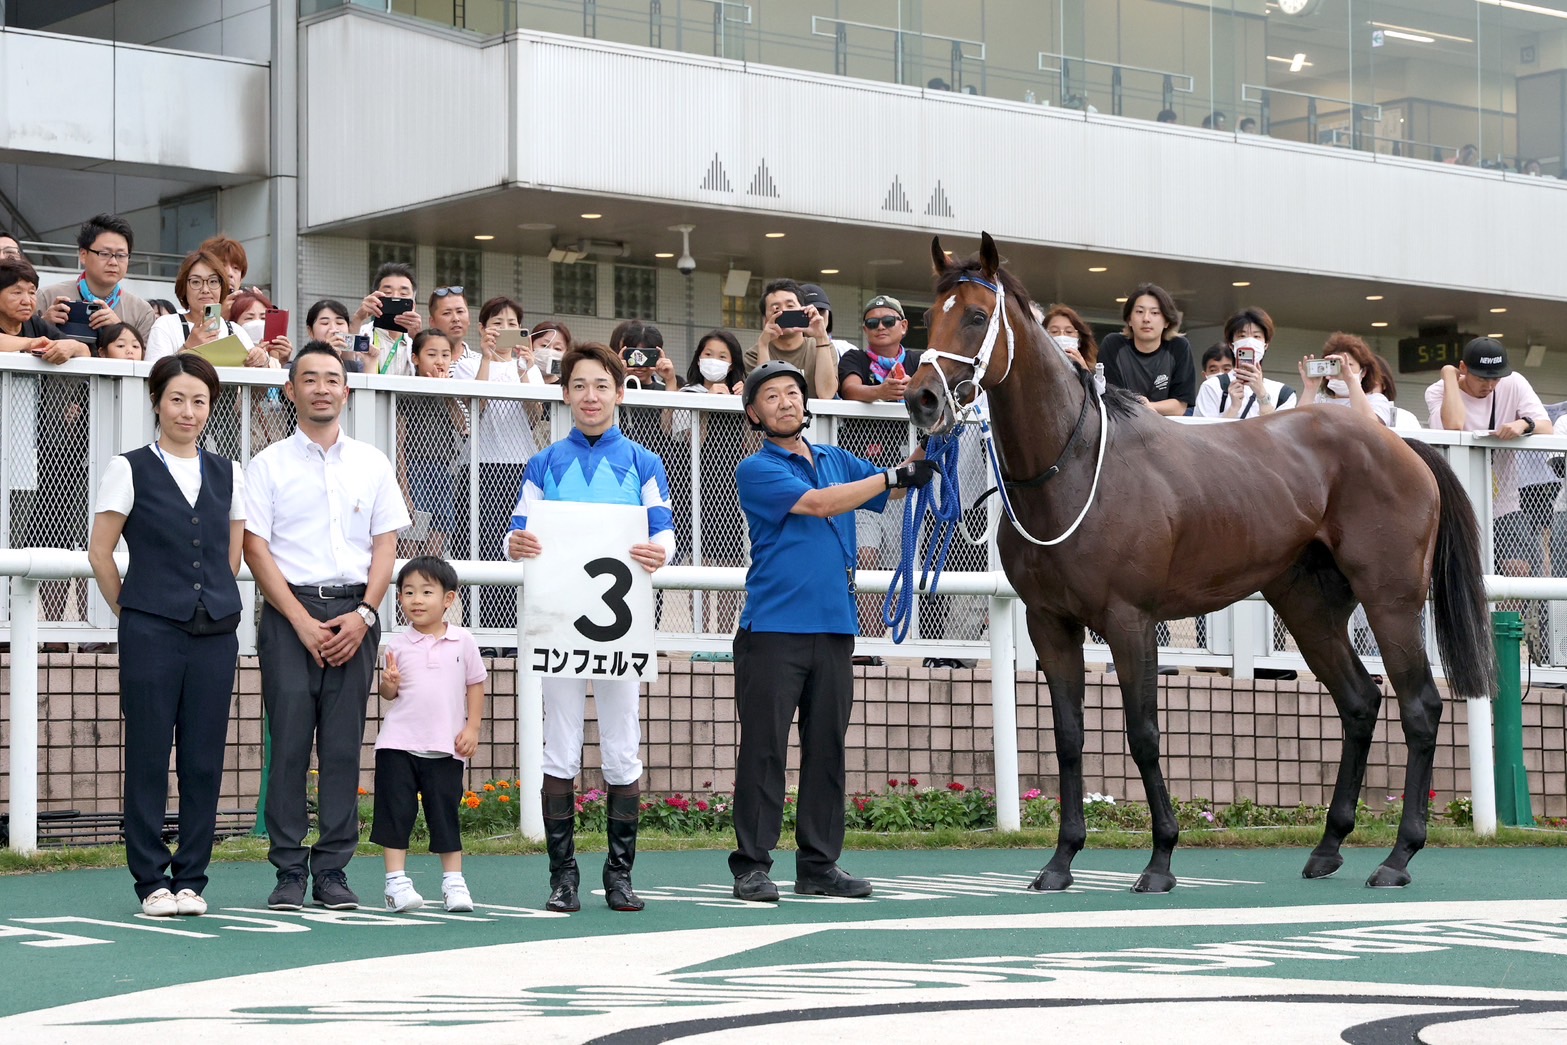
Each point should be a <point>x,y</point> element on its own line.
<point>1486,357</point>
<point>811,294</point>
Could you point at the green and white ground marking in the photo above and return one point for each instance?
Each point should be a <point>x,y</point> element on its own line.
<point>952,947</point>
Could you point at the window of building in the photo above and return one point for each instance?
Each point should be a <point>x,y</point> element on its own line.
<point>458,267</point>
<point>576,288</point>
<point>745,313</point>
<point>636,292</point>
<point>379,254</point>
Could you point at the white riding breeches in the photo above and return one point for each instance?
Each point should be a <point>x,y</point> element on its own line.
<point>620,729</point>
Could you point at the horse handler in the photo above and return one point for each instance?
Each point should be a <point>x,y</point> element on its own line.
<point>796,637</point>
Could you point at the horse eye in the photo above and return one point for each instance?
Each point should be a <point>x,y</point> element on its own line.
<point>978,318</point>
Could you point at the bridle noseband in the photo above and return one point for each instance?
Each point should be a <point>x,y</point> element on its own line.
<point>978,363</point>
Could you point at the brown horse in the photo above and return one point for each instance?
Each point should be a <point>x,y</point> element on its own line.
<point>1316,507</point>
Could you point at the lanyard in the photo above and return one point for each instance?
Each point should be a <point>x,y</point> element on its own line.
<point>201,462</point>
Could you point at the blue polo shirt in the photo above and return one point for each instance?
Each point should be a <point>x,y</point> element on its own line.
<point>797,582</point>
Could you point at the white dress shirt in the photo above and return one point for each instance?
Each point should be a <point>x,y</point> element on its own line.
<point>319,510</point>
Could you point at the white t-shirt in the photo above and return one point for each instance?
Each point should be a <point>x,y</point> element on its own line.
<point>1386,412</point>
<point>168,336</point>
<point>505,432</point>
<point>1212,402</point>
<point>117,492</point>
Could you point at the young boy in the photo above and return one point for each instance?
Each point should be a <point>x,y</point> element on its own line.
<point>434,673</point>
<point>608,469</point>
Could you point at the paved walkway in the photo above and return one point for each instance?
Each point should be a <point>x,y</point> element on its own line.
<point>951,948</point>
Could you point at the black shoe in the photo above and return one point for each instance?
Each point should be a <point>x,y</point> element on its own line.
<point>868,660</point>
<point>560,812</point>
<point>331,891</point>
<point>943,662</point>
<point>624,813</point>
<point>290,892</point>
<point>563,892</point>
<point>756,887</point>
<point>836,882</point>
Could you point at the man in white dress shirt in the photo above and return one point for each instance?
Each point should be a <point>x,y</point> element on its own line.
<point>322,515</point>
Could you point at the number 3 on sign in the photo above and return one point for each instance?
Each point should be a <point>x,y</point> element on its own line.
<point>587,605</point>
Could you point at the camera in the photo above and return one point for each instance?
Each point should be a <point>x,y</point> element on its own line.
<point>548,362</point>
<point>1324,368</point>
<point>686,264</point>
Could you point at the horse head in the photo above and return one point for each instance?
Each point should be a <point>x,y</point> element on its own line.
<point>973,332</point>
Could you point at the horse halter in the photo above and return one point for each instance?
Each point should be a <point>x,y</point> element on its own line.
<point>980,362</point>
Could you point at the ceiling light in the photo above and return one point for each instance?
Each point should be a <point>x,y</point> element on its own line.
<point>1414,38</point>
<point>484,239</point>
<point>1373,297</point>
<point>591,217</point>
<point>1098,268</point>
<point>829,272</point>
<point>1379,324</point>
<point>1422,32</point>
<point>1496,335</point>
<point>1241,283</point>
<point>1296,63</point>
<point>776,235</point>
<point>1497,311</point>
<point>1120,301</point>
<point>1514,5</point>
<point>666,254</point>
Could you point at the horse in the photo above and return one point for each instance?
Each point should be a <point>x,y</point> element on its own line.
<point>1121,518</point>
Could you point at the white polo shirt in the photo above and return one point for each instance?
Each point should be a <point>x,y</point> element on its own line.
<point>319,510</point>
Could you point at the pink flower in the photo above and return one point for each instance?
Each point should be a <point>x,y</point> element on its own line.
<point>701,805</point>
<point>1032,794</point>
<point>913,782</point>
<point>894,782</point>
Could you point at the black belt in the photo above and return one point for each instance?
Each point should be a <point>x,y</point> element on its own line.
<point>325,592</point>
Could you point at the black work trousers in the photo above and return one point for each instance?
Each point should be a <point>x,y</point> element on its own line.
<point>307,704</point>
<point>775,674</point>
<point>175,689</point>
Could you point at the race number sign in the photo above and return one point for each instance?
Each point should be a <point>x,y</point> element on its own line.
<point>587,605</point>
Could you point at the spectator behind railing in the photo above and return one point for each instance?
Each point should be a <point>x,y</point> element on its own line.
<point>1244,392</point>
<point>645,342</point>
<point>328,321</point>
<point>499,314</point>
<point>119,341</point>
<point>449,314</point>
<point>550,341</point>
<point>1362,386</point>
<point>103,247</point>
<point>807,347</point>
<point>202,281</point>
<point>22,329</point>
<point>248,310</point>
<point>1072,335</point>
<point>390,349</point>
<point>1219,359</point>
<point>162,307</point>
<point>1148,356</point>
<point>10,247</point>
<point>430,428</point>
<point>814,296</point>
<point>236,263</point>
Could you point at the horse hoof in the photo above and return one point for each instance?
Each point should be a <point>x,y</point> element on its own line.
<point>1154,882</point>
<point>1386,877</point>
<point>1325,866</point>
<point>1049,881</point>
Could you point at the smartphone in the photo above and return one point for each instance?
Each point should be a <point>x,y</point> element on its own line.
<point>1248,356</point>
<point>212,313</point>
<point>793,319</point>
<point>637,358</point>
<point>509,340</point>
<point>81,311</point>
<point>391,308</point>
<point>1324,367</point>
<point>548,362</point>
<point>358,343</point>
<point>277,324</point>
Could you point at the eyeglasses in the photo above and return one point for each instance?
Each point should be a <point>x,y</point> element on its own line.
<point>11,252</point>
<point>885,322</point>
<point>110,255</point>
<point>211,282</point>
<point>442,292</point>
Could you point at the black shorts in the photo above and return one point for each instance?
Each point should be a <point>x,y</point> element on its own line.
<point>400,778</point>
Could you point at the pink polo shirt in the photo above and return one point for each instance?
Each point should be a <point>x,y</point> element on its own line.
<point>432,700</point>
<point>1513,399</point>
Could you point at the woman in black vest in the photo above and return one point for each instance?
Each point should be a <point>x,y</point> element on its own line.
<point>180,511</point>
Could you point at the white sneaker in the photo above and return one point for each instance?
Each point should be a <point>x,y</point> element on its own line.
<point>189,902</point>
<point>401,895</point>
<point>160,904</point>
<point>456,896</point>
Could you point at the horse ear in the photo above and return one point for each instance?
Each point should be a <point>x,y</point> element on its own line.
<point>938,256</point>
<point>989,257</point>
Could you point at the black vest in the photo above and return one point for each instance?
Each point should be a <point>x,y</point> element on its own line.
<point>179,554</point>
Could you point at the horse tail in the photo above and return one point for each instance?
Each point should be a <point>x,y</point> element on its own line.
<point>1463,621</point>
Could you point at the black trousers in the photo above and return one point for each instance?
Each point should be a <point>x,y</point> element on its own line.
<point>175,689</point>
<point>775,674</point>
<point>305,704</point>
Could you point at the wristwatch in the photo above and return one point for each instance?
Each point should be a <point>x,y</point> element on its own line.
<point>1528,426</point>
<point>368,614</point>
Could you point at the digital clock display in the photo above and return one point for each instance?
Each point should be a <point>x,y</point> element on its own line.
<point>1431,353</point>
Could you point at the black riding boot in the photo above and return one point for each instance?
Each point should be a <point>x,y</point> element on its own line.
<point>560,821</point>
<point>624,812</point>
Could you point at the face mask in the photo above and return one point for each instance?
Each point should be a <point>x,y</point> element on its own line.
<point>1256,344</point>
<point>1066,342</point>
<point>713,369</point>
<point>255,328</point>
<point>1338,386</point>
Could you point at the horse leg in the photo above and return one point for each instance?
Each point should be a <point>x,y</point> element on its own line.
<point>1137,664</point>
<point>1059,645</point>
<point>1420,712</point>
<point>1316,609</point>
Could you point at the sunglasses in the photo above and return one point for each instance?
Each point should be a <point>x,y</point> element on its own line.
<point>885,322</point>
<point>442,292</point>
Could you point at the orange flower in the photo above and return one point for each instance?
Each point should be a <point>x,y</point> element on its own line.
<point>505,798</point>
<point>503,785</point>
<point>489,787</point>
<point>473,801</point>
<point>362,791</point>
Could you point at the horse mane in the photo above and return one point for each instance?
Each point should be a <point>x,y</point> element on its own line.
<point>1122,403</point>
<point>972,266</point>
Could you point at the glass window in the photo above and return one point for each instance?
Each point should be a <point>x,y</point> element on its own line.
<point>458,267</point>
<point>636,292</point>
<point>576,288</point>
<point>380,253</point>
<point>744,313</point>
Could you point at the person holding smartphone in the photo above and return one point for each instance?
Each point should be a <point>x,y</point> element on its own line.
<point>1243,392</point>
<point>795,333</point>
<point>389,318</point>
<point>103,248</point>
<point>550,340</point>
<point>249,310</point>
<point>1349,377</point>
<point>201,285</point>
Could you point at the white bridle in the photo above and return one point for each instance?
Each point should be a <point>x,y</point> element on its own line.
<point>980,363</point>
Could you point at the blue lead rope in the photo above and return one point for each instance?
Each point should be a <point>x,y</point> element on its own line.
<point>947,510</point>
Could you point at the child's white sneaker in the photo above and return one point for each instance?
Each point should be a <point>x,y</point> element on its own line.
<point>456,896</point>
<point>160,904</point>
<point>401,895</point>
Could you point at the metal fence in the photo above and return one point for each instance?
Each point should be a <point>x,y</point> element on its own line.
<point>460,449</point>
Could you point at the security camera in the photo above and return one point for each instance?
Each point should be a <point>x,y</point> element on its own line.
<point>686,264</point>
